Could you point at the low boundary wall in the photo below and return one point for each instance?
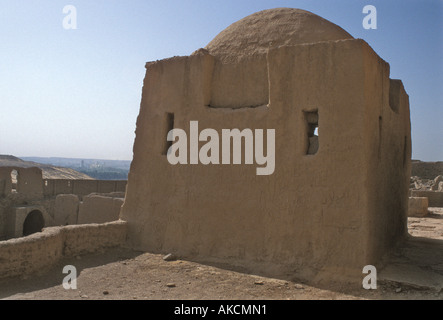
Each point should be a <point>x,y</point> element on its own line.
<point>435,197</point>
<point>39,251</point>
<point>53,187</point>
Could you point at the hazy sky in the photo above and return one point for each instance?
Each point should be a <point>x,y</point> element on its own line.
<point>76,93</point>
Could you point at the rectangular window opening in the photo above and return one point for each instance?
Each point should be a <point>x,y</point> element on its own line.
<point>169,125</point>
<point>311,118</point>
<point>14,180</point>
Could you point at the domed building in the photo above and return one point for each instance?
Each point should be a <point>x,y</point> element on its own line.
<point>282,147</point>
<point>263,30</point>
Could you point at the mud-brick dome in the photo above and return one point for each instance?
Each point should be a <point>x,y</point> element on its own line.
<point>272,28</point>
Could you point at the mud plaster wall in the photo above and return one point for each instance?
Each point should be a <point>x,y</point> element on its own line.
<point>435,197</point>
<point>314,215</point>
<point>4,212</point>
<point>66,209</point>
<point>99,209</point>
<point>14,209</point>
<point>37,252</point>
<point>29,181</point>
<point>81,187</point>
<point>69,210</point>
<point>418,207</point>
<point>5,181</point>
<point>15,220</point>
<point>57,208</point>
<point>387,149</point>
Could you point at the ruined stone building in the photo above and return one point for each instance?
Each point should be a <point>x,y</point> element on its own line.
<point>336,200</point>
<point>29,203</point>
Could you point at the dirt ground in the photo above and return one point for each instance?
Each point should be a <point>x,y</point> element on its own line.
<point>122,274</point>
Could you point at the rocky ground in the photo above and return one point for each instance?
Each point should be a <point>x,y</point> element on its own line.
<point>426,176</point>
<point>122,274</point>
<point>426,169</point>
<point>421,184</point>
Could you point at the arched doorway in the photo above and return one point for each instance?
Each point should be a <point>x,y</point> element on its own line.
<point>34,222</point>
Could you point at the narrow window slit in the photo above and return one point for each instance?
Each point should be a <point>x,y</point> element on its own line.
<point>14,180</point>
<point>169,125</point>
<point>311,118</point>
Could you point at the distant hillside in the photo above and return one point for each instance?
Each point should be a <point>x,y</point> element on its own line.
<point>71,168</point>
<point>48,171</point>
<point>79,162</point>
<point>426,170</point>
<point>101,169</point>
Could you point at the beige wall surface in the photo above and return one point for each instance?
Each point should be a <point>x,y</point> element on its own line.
<point>418,207</point>
<point>435,197</point>
<point>66,209</point>
<point>23,189</point>
<point>29,181</point>
<point>52,187</point>
<point>316,213</point>
<point>38,252</point>
<point>99,209</point>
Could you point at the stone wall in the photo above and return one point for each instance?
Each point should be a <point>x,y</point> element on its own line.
<point>27,255</point>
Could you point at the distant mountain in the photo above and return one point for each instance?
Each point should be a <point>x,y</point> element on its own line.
<point>48,171</point>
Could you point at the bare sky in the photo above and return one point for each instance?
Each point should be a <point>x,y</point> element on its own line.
<point>76,93</point>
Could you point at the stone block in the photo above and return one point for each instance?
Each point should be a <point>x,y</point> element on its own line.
<point>418,207</point>
<point>66,209</point>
